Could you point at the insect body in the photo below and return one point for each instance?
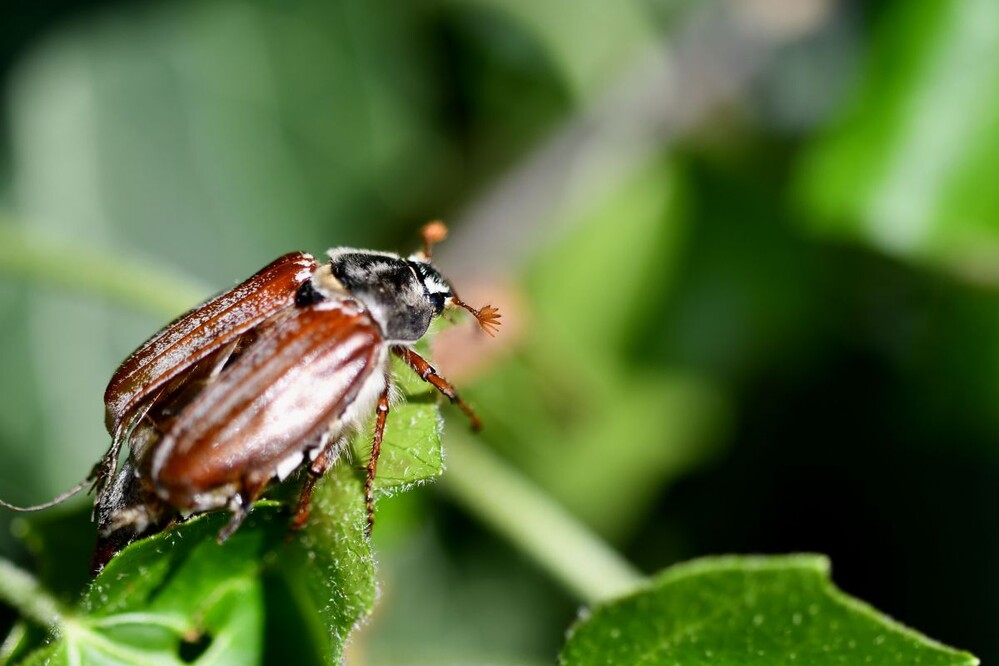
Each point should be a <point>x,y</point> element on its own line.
<point>270,376</point>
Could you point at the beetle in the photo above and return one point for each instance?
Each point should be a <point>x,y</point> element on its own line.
<point>266,378</point>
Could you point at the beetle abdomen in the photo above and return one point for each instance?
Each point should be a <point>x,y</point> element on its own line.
<point>274,402</point>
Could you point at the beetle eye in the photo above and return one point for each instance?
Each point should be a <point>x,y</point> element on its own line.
<point>438,302</point>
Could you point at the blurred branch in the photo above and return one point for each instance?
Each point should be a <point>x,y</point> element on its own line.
<point>485,486</point>
<point>23,592</point>
<point>708,62</point>
<point>138,284</point>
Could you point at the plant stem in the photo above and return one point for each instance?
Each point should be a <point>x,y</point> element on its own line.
<point>138,284</point>
<point>22,591</point>
<point>487,487</point>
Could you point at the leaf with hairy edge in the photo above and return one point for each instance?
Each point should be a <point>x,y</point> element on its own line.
<point>178,597</point>
<point>748,611</point>
<point>331,567</point>
<point>411,451</point>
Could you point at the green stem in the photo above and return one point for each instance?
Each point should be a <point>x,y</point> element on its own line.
<point>487,487</point>
<point>22,591</point>
<point>138,284</point>
<point>482,483</point>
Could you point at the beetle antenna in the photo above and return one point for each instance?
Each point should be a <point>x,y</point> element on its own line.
<point>51,503</point>
<point>433,233</point>
<point>487,316</point>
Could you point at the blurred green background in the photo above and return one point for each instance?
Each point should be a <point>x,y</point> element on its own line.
<point>747,254</point>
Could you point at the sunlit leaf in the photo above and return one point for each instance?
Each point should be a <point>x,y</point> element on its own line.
<point>748,611</point>
<point>179,597</point>
<point>175,598</point>
<point>411,450</point>
<point>910,167</point>
<point>330,568</point>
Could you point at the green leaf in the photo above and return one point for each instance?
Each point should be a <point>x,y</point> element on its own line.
<point>179,596</point>
<point>745,611</point>
<point>330,568</point>
<point>406,457</point>
<point>910,167</point>
<point>173,593</point>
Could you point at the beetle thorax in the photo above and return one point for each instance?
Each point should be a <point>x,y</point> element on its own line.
<point>388,287</point>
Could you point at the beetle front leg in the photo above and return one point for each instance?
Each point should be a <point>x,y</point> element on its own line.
<point>428,374</point>
<point>376,450</point>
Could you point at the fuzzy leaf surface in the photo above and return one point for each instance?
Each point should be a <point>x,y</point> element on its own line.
<point>748,611</point>
<point>179,597</point>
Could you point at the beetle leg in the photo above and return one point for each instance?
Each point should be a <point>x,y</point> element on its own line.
<point>224,355</point>
<point>320,465</point>
<point>103,471</point>
<point>240,505</point>
<point>428,374</point>
<point>376,450</point>
<point>105,468</point>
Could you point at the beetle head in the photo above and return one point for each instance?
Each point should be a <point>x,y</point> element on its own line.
<point>402,294</point>
<point>438,290</point>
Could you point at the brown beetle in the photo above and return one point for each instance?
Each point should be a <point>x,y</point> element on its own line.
<point>269,376</point>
